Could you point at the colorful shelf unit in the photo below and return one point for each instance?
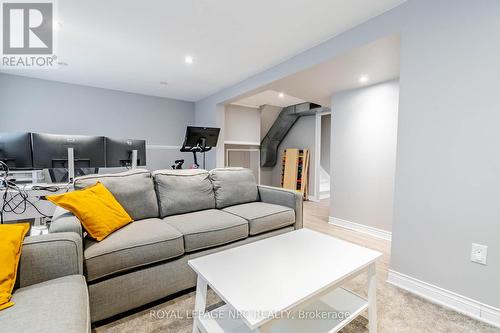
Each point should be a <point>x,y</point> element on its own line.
<point>295,170</point>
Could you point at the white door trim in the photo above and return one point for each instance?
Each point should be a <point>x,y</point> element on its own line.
<point>317,155</point>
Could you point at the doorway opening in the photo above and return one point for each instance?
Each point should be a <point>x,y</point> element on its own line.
<point>351,139</point>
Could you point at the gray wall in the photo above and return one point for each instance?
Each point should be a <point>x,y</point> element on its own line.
<point>364,126</point>
<point>36,105</point>
<point>326,124</point>
<point>448,161</point>
<point>448,158</point>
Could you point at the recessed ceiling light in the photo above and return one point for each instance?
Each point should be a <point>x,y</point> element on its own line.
<point>164,83</point>
<point>281,95</point>
<point>188,59</point>
<point>364,78</point>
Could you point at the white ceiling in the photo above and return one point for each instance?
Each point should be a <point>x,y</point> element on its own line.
<point>378,60</point>
<point>133,45</point>
<point>269,97</point>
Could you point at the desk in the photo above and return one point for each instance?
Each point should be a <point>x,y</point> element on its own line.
<point>45,207</point>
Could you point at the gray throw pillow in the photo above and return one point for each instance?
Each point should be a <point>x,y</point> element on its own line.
<point>233,186</point>
<point>183,191</point>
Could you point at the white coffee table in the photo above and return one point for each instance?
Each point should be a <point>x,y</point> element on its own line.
<point>288,283</point>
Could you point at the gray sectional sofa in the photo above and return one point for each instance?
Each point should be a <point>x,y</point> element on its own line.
<point>178,215</point>
<point>51,294</point>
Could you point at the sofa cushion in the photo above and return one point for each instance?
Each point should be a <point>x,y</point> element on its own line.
<point>55,306</point>
<point>134,190</point>
<point>137,244</point>
<point>263,217</point>
<point>208,228</point>
<point>233,186</point>
<point>183,191</point>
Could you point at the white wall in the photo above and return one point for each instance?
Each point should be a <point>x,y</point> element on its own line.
<point>242,131</point>
<point>269,114</point>
<point>364,128</point>
<point>242,124</point>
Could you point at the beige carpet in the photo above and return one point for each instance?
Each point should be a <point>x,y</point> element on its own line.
<point>398,311</point>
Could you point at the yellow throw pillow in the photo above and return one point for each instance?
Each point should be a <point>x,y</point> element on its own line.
<point>96,208</point>
<point>11,243</point>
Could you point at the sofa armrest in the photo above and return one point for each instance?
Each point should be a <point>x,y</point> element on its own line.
<point>50,256</point>
<point>65,221</point>
<point>284,197</point>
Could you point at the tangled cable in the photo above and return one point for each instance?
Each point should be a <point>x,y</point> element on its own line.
<point>14,198</point>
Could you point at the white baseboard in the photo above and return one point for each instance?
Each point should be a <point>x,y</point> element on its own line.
<point>312,198</point>
<point>446,298</point>
<point>375,232</point>
<point>324,195</point>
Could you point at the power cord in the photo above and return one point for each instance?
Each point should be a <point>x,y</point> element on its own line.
<point>49,188</point>
<point>14,198</point>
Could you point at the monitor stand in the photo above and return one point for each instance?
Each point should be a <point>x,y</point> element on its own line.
<point>200,148</point>
<point>71,165</point>
<point>134,159</point>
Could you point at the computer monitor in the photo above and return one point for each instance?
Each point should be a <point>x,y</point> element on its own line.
<point>51,151</point>
<point>202,138</point>
<point>119,152</point>
<point>15,150</point>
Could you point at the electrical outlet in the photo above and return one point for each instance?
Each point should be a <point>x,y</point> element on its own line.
<point>479,253</point>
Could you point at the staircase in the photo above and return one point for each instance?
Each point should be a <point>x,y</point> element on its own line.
<point>286,119</point>
<point>324,184</point>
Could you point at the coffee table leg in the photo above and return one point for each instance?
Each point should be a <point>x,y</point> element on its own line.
<point>200,302</point>
<point>372,299</point>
